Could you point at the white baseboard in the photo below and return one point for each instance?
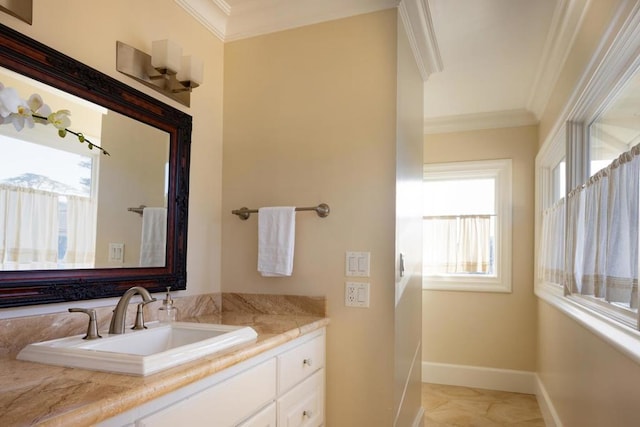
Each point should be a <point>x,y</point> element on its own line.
<point>479,377</point>
<point>551,418</point>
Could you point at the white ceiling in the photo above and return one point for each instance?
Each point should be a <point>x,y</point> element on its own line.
<point>487,63</point>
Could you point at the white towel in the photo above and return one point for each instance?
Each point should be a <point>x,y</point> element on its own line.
<point>154,237</point>
<point>276,238</point>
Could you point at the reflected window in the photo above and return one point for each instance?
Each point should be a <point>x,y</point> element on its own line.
<point>49,215</point>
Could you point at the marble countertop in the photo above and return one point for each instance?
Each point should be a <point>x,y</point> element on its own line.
<point>46,395</point>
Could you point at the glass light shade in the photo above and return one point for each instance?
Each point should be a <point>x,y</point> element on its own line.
<point>191,69</point>
<point>166,54</point>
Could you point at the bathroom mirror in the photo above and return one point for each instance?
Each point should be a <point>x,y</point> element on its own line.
<point>149,145</point>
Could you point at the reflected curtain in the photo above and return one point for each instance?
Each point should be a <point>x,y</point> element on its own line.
<point>457,244</point>
<point>28,228</point>
<point>602,233</point>
<point>81,232</point>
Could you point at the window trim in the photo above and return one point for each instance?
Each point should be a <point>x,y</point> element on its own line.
<point>501,170</point>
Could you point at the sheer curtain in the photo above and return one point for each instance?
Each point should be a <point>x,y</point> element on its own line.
<point>441,253</point>
<point>81,232</point>
<point>28,228</point>
<point>459,244</point>
<point>475,244</point>
<point>551,250</point>
<point>602,233</point>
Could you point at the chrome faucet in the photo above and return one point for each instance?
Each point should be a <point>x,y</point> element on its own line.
<point>120,312</point>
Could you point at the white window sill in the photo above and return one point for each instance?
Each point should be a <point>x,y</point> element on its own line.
<point>465,283</point>
<point>621,337</point>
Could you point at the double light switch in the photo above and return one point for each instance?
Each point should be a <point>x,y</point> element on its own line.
<point>357,264</point>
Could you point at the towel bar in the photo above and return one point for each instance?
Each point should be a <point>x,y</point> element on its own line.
<point>137,210</point>
<point>322,210</point>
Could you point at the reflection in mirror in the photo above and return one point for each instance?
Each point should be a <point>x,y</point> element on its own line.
<point>149,142</point>
<point>54,192</point>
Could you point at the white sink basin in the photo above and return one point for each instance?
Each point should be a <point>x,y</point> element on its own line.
<point>142,352</point>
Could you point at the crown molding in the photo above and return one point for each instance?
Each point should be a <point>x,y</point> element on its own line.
<point>565,24</point>
<point>212,14</point>
<point>491,120</point>
<point>257,17</point>
<point>416,18</point>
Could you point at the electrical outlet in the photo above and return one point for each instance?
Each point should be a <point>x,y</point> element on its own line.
<point>356,294</point>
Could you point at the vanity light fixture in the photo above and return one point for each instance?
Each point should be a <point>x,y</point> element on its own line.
<point>165,70</point>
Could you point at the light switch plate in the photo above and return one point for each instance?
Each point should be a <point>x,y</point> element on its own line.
<point>116,252</point>
<point>357,264</point>
<point>357,294</point>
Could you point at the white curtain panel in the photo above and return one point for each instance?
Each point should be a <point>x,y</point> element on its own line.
<point>551,249</point>
<point>602,233</point>
<point>81,232</point>
<point>457,245</point>
<point>474,248</point>
<point>28,228</point>
<point>441,238</point>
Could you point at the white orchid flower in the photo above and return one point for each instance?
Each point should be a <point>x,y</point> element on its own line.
<point>19,112</point>
<point>60,119</point>
<point>9,101</point>
<point>39,109</point>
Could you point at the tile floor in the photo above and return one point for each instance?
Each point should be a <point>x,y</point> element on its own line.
<point>464,406</point>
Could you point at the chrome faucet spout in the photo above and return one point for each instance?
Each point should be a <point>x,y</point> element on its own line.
<point>120,312</point>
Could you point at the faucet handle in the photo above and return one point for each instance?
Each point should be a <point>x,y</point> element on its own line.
<point>92,329</point>
<point>139,323</point>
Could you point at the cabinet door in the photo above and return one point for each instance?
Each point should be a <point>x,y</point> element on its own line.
<point>264,418</point>
<point>222,405</point>
<point>303,406</point>
<point>300,362</point>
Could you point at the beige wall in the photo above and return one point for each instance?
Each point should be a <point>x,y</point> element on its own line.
<point>588,381</point>
<point>87,31</point>
<point>496,330</point>
<point>310,117</point>
<point>133,144</point>
<point>408,328</point>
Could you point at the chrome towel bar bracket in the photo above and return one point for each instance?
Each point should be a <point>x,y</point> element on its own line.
<point>322,210</point>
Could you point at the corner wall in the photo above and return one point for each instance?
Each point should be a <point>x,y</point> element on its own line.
<point>408,312</point>
<point>310,117</point>
<point>488,330</point>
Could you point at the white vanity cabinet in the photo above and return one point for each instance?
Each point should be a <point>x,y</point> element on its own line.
<point>282,387</point>
<point>301,385</point>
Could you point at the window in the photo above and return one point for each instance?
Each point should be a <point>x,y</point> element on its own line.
<point>467,226</point>
<point>587,234</point>
<point>48,213</point>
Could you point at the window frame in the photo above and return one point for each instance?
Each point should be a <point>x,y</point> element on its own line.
<point>501,171</point>
<point>615,60</point>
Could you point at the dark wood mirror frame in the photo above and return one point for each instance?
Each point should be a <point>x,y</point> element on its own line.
<point>18,288</point>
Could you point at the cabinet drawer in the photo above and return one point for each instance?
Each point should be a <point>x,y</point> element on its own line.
<point>224,404</point>
<point>264,418</point>
<point>298,363</point>
<point>303,406</point>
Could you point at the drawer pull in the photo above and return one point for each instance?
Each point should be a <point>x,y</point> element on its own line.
<point>307,414</point>
<point>307,362</point>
